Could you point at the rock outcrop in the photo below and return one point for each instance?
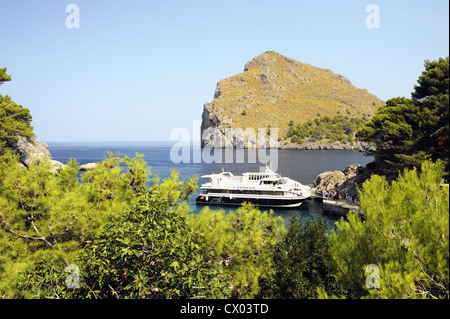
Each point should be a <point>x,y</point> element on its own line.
<point>274,90</point>
<point>348,180</point>
<point>31,150</point>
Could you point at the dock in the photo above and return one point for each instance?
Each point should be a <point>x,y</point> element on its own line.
<point>338,207</point>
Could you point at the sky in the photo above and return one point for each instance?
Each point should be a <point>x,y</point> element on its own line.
<point>138,70</point>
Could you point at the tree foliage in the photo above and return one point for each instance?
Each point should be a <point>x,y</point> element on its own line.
<point>408,131</point>
<point>301,262</point>
<point>241,243</point>
<point>15,120</point>
<point>150,252</point>
<point>141,241</point>
<point>130,237</point>
<point>4,77</point>
<point>339,128</point>
<point>405,232</point>
<point>47,215</point>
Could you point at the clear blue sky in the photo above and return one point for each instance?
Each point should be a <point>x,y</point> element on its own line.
<point>135,70</point>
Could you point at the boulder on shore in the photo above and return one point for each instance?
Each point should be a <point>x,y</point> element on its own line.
<point>348,180</point>
<point>329,180</point>
<point>87,167</point>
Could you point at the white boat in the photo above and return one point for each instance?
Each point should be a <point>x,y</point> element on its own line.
<point>267,189</point>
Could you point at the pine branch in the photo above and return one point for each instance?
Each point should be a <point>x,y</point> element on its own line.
<point>9,230</point>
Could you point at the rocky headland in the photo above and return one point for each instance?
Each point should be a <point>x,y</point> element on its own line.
<point>274,90</point>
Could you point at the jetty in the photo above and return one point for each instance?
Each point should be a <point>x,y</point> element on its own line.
<point>339,207</point>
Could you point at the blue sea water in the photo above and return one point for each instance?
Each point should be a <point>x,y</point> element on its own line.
<point>300,165</point>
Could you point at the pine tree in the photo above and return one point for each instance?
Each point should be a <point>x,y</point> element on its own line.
<point>301,263</point>
<point>408,131</point>
<point>52,216</point>
<point>240,243</point>
<point>405,233</point>
<point>4,77</point>
<point>15,121</point>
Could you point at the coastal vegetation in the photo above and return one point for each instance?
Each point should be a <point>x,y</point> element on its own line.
<point>117,231</point>
<point>113,233</point>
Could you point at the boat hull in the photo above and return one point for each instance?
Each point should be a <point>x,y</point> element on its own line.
<point>258,201</point>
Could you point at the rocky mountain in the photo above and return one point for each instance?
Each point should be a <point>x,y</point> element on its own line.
<point>274,90</point>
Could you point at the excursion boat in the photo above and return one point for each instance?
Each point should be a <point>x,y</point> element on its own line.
<point>267,189</point>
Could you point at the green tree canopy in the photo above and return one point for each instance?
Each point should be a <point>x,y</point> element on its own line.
<point>241,243</point>
<point>15,120</point>
<point>301,263</point>
<point>4,77</point>
<point>405,232</point>
<point>52,216</point>
<point>433,82</point>
<point>432,95</point>
<point>148,251</point>
<point>408,131</point>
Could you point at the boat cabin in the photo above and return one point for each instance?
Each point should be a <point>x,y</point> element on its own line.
<point>258,176</point>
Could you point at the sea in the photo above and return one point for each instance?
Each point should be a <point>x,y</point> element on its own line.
<point>164,156</point>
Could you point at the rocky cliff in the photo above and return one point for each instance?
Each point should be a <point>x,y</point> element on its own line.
<point>274,90</point>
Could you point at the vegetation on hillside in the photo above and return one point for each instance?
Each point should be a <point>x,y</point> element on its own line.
<point>47,216</point>
<point>325,129</point>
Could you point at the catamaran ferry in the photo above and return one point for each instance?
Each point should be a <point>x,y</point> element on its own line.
<point>262,189</point>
